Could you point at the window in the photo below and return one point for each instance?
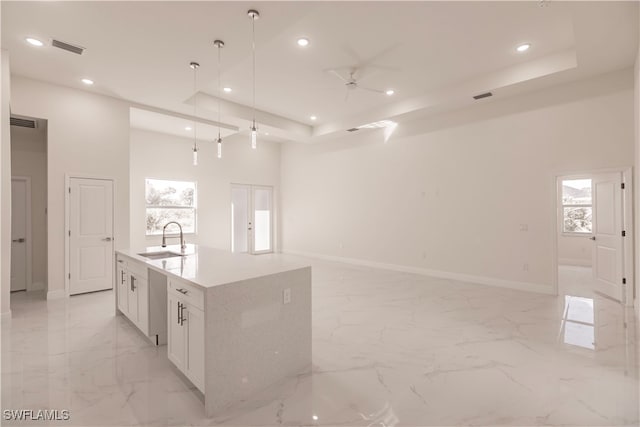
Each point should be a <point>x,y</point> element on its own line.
<point>576,206</point>
<point>170,201</point>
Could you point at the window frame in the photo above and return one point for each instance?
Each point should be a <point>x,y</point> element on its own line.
<point>562,205</point>
<point>194,208</point>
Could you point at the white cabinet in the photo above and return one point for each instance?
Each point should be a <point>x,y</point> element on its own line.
<point>194,369</point>
<point>176,348</point>
<point>185,324</point>
<point>132,287</point>
<point>122,284</point>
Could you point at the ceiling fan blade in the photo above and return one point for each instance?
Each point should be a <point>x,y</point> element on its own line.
<point>338,75</point>
<point>370,89</point>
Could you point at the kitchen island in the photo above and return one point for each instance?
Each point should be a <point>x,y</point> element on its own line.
<point>234,324</point>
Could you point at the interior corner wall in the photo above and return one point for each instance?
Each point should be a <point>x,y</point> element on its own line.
<point>88,135</point>
<point>162,156</point>
<point>29,159</point>
<point>5,185</point>
<point>467,194</point>
<point>636,174</point>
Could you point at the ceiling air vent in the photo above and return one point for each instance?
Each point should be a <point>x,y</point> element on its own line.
<point>483,95</point>
<point>23,123</point>
<point>67,46</point>
<point>352,129</point>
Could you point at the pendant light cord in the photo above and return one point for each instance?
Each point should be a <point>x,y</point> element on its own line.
<point>195,105</point>
<point>219,74</point>
<point>253,45</point>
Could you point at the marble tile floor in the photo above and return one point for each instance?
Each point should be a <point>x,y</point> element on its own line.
<point>389,349</point>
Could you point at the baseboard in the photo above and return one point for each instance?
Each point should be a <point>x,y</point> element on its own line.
<point>576,262</point>
<point>6,316</point>
<point>60,293</point>
<point>468,278</point>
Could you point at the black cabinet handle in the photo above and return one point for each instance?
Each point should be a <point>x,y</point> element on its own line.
<point>122,277</point>
<point>179,314</point>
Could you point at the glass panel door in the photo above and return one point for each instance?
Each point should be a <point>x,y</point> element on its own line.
<point>262,219</point>
<point>240,218</point>
<point>251,219</point>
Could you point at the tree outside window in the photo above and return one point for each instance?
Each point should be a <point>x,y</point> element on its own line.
<point>170,201</point>
<point>577,206</point>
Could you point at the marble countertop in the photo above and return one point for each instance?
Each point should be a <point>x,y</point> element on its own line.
<point>208,267</point>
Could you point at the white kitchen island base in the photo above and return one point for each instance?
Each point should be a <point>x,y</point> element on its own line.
<point>236,324</point>
<point>253,340</point>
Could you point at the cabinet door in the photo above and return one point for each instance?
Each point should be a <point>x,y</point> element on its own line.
<point>194,369</point>
<point>132,294</point>
<point>176,337</point>
<point>122,285</point>
<point>142,292</point>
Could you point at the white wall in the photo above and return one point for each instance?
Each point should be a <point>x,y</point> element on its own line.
<point>29,158</point>
<point>5,185</point>
<point>574,250</point>
<point>448,194</point>
<point>87,134</point>
<point>155,155</point>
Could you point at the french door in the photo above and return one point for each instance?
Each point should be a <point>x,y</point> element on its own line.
<point>251,218</point>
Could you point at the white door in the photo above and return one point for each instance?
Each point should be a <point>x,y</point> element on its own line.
<point>122,278</point>
<point>240,221</point>
<point>176,339</point>
<point>19,225</point>
<point>607,234</point>
<point>251,219</point>
<point>91,235</point>
<point>195,345</point>
<point>262,216</point>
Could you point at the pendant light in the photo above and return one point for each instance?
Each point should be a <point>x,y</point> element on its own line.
<point>219,44</point>
<point>194,66</point>
<point>254,14</point>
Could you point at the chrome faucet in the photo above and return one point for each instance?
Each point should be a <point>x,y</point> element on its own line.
<point>183,244</point>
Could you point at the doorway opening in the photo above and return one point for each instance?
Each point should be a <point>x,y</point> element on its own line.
<point>251,219</point>
<point>593,235</point>
<point>28,206</point>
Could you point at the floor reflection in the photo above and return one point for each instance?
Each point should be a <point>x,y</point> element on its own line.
<point>577,327</point>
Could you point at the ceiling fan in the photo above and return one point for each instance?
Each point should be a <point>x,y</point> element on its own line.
<point>351,83</point>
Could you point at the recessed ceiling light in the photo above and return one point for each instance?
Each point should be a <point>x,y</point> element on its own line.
<point>34,42</point>
<point>313,117</point>
<point>303,41</point>
<point>315,417</point>
<point>88,82</point>
<point>227,89</point>
<point>390,92</point>
<point>188,128</point>
<point>266,133</point>
<point>523,47</point>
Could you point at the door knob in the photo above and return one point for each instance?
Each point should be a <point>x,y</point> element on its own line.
<point>20,240</point>
<point>106,239</point>
<point>592,238</point>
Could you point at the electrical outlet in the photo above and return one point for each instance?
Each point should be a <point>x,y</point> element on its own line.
<point>286,296</point>
<point>525,267</point>
<point>524,227</point>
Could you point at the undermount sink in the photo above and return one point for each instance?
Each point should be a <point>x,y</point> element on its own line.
<point>160,254</point>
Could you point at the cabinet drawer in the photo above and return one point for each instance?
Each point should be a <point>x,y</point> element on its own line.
<point>132,265</point>
<point>188,292</point>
